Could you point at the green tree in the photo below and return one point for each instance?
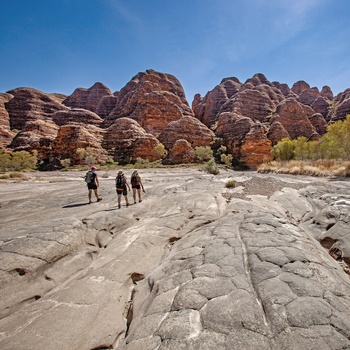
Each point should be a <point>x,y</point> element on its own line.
<point>284,150</point>
<point>337,139</point>
<point>17,161</point>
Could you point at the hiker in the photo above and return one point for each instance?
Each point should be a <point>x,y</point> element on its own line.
<point>136,184</point>
<point>91,179</point>
<point>121,184</point>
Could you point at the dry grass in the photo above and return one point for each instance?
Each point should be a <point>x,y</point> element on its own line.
<point>324,167</point>
<point>14,175</point>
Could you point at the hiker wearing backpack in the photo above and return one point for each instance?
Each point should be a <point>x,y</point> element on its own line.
<point>92,182</point>
<point>136,184</point>
<point>121,184</point>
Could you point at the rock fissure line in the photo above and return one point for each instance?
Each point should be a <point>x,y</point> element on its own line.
<point>250,280</point>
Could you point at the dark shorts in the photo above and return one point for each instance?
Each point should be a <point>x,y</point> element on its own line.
<point>122,191</point>
<point>137,186</point>
<point>92,186</point>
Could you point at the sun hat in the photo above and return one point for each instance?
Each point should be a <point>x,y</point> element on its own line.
<point>93,167</point>
<point>120,172</point>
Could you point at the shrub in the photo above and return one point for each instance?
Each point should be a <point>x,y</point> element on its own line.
<point>227,159</point>
<point>211,167</point>
<point>161,151</point>
<point>231,183</point>
<point>17,161</point>
<point>87,155</point>
<point>65,162</point>
<point>17,175</point>
<point>203,153</point>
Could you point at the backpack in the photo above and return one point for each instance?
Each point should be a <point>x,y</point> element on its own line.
<point>89,177</point>
<point>120,182</point>
<point>134,180</point>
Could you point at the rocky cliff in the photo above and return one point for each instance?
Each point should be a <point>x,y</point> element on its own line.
<point>248,118</point>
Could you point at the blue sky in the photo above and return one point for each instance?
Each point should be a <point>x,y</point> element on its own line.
<point>60,45</point>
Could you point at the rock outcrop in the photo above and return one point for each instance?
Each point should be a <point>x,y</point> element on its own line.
<point>6,135</point>
<point>180,153</point>
<point>341,107</point>
<point>29,105</point>
<point>189,129</point>
<point>127,140</point>
<point>285,112</point>
<point>76,115</point>
<point>256,146</point>
<point>157,103</point>
<point>37,135</point>
<point>72,137</point>
<point>152,99</point>
<point>89,99</point>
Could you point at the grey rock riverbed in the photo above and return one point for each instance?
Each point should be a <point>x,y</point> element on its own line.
<point>196,265</point>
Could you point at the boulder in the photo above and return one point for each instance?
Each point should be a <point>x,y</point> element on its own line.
<point>37,135</point>
<point>181,153</point>
<point>276,133</point>
<point>187,128</point>
<point>126,141</point>
<point>71,137</point>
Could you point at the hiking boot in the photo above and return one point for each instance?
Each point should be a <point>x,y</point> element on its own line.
<point>140,200</point>
<point>119,206</point>
<point>127,204</point>
<point>90,202</point>
<point>135,202</point>
<point>99,199</point>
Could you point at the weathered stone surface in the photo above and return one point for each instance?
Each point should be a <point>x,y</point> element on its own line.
<point>233,132</point>
<point>189,129</point>
<point>207,109</point>
<point>276,133</point>
<point>29,104</point>
<point>36,135</point>
<point>89,99</point>
<point>106,105</point>
<point>300,86</point>
<point>319,123</point>
<point>256,146</point>
<point>73,136</point>
<point>342,106</point>
<point>294,119</point>
<point>308,96</point>
<point>152,99</point>
<point>126,141</point>
<point>194,266</point>
<point>181,153</point>
<point>5,131</point>
<point>76,115</point>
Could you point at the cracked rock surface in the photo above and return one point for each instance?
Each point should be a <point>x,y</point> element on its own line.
<point>196,265</point>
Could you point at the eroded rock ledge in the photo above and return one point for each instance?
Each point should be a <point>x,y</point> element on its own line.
<point>194,266</point>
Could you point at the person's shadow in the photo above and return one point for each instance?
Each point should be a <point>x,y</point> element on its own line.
<point>74,205</point>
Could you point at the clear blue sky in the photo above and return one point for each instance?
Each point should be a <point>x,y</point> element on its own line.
<point>60,45</point>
